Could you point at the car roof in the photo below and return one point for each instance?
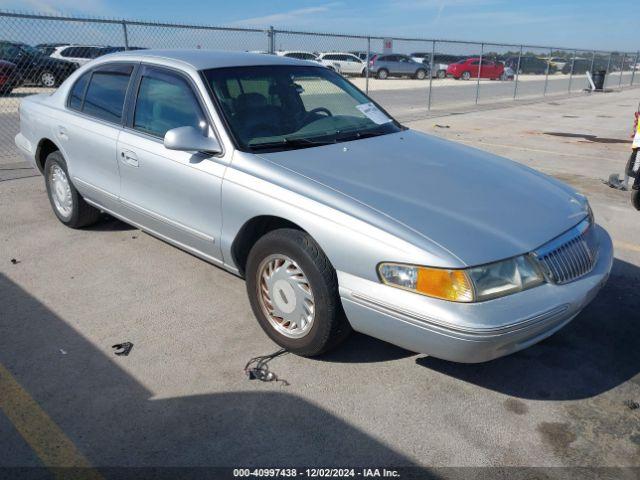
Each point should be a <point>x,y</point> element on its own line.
<point>205,59</point>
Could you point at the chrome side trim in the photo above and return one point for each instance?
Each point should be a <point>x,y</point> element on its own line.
<point>384,307</point>
<point>173,223</point>
<point>152,232</point>
<point>93,187</point>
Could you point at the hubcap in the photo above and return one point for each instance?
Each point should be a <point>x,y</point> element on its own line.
<point>60,191</point>
<point>48,80</point>
<point>285,296</point>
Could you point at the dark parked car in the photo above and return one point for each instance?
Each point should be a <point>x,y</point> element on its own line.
<point>396,65</point>
<point>33,67</point>
<point>530,65</point>
<point>7,77</point>
<point>582,66</point>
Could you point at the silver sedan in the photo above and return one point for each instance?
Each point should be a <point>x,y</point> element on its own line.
<point>338,217</point>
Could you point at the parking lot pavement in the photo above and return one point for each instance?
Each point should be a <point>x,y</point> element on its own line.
<point>181,398</point>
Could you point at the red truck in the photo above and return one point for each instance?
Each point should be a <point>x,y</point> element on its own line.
<point>468,68</point>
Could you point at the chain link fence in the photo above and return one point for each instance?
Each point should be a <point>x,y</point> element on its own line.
<point>412,78</point>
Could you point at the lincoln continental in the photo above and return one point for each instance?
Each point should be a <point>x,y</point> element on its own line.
<point>338,217</point>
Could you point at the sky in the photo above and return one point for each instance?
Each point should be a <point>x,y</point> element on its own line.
<point>589,24</point>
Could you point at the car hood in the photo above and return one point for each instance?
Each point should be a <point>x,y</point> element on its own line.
<point>478,206</point>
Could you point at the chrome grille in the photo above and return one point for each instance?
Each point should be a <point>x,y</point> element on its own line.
<point>571,255</point>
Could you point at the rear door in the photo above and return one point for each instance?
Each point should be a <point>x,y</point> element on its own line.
<point>88,131</point>
<point>173,193</point>
<point>407,66</point>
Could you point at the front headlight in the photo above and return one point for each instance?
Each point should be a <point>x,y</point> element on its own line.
<point>468,285</point>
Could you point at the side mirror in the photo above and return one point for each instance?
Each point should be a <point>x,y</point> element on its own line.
<point>190,139</point>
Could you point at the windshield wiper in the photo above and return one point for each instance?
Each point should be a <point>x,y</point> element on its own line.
<point>357,135</point>
<point>294,142</point>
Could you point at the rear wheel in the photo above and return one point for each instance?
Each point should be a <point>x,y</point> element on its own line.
<point>441,74</point>
<point>466,75</point>
<point>383,74</point>
<point>293,291</point>
<point>421,74</point>
<point>67,203</point>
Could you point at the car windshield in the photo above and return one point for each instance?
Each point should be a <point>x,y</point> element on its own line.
<point>283,107</point>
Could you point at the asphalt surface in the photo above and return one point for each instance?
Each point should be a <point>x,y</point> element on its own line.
<point>181,398</point>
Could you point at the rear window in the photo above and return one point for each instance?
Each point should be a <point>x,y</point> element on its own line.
<point>104,97</point>
<point>77,92</point>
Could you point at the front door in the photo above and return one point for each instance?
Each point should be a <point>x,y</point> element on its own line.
<point>174,194</point>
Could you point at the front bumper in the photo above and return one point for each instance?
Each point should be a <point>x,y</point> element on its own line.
<point>470,332</point>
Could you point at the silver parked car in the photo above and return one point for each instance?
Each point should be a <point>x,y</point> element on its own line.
<point>396,65</point>
<point>337,216</point>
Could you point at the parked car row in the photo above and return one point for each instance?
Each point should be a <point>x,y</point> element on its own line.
<point>46,64</point>
<point>49,64</point>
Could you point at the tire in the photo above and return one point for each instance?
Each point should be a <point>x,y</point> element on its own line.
<point>276,288</point>
<point>630,163</point>
<point>75,212</point>
<point>466,76</point>
<point>420,74</point>
<point>382,74</point>
<point>635,199</point>
<point>48,79</point>
<point>441,74</point>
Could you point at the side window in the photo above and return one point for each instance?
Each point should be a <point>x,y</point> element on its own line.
<point>166,101</point>
<point>77,92</point>
<point>105,95</point>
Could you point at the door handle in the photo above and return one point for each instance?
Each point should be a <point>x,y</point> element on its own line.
<point>129,158</point>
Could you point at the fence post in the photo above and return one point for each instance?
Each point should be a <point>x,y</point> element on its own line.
<point>593,59</point>
<point>271,35</point>
<point>433,53</point>
<point>546,74</point>
<point>515,87</point>
<point>633,72</point>
<point>604,85</point>
<point>479,72</point>
<point>624,58</point>
<point>126,34</point>
<point>366,61</point>
<point>573,62</point>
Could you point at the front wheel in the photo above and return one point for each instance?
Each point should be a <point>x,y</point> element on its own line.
<point>293,291</point>
<point>421,74</point>
<point>67,203</point>
<point>382,74</point>
<point>466,75</point>
<point>635,199</point>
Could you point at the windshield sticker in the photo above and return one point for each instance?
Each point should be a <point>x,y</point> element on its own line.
<point>373,113</point>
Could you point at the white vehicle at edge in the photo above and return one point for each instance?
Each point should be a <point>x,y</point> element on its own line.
<point>79,54</point>
<point>310,57</point>
<point>349,64</point>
